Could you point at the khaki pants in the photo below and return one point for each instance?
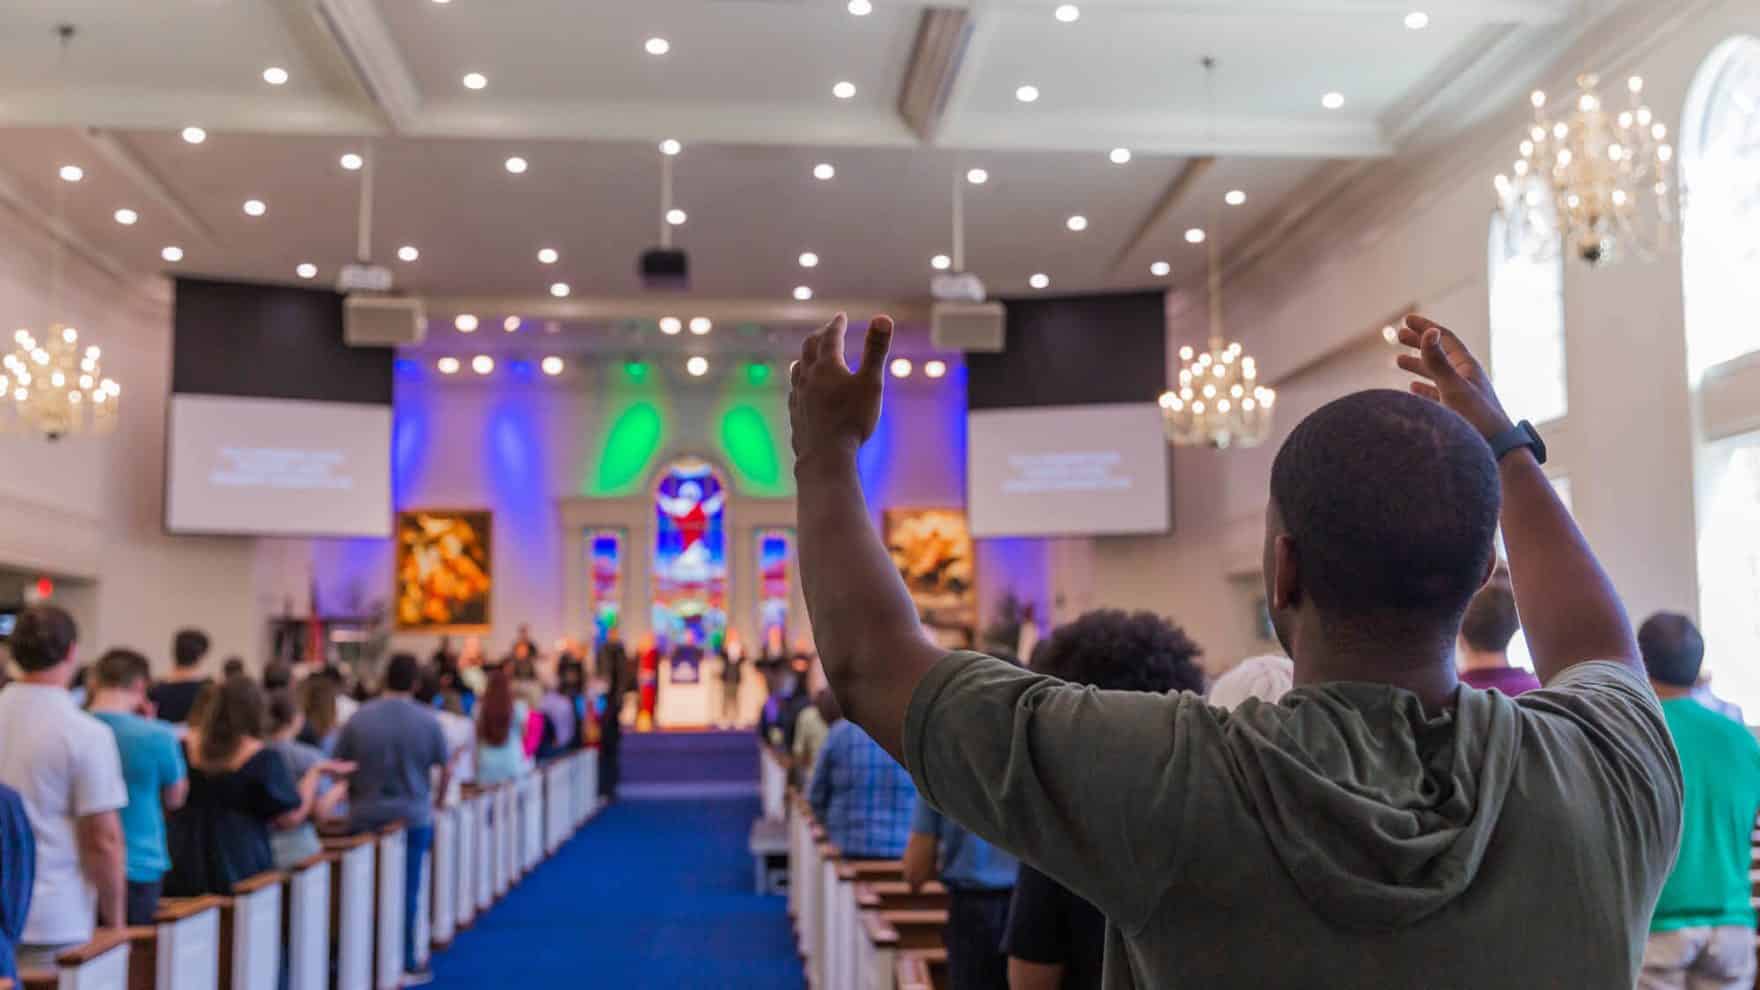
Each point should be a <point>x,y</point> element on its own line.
<point>1719,958</point>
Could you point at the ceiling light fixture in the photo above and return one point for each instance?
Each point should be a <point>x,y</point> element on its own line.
<point>552,365</point>
<point>676,217</point>
<point>275,75</point>
<point>901,367</point>
<point>861,8</point>
<point>809,260</point>
<point>559,289</point>
<point>482,364</point>
<point>465,323</point>
<point>844,90</point>
<point>475,80</point>
<point>194,135</point>
<point>941,262</point>
<point>697,366</point>
<point>1234,197</point>
<point>255,207</point>
<point>1120,156</point>
<point>670,147</point>
<point>701,325</point>
<point>671,325</point>
<point>977,176</point>
<point>516,165</point>
<point>1027,93</point>
<point>1068,13</point>
<point>511,324</point>
<point>1332,100</point>
<point>72,173</point>
<point>306,270</point>
<point>126,217</point>
<point>1077,223</point>
<point>657,46</point>
<point>352,162</point>
<point>1159,269</point>
<point>547,256</point>
<point>1417,20</point>
<point>447,366</point>
<point>1195,235</point>
<point>824,170</point>
<point>171,253</point>
<point>935,369</point>
<point>408,253</point>
<point>1039,280</point>
<point>803,293</point>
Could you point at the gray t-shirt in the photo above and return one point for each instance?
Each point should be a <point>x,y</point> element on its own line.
<point>396,742</point>
<point>1340,838</point>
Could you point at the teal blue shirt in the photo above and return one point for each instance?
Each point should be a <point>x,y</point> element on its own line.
<point>966,861</point>
<point>151,762</point>
<point>1720,766</point>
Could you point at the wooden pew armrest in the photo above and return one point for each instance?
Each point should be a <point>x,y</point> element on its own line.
<point>172,909</point>
<point>262,881</point>
<point>878,930</point>
<point>103,940</point>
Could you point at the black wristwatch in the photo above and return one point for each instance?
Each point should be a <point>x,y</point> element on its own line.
<point>1521,435</point>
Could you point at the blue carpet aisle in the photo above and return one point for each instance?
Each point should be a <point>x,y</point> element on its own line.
<point>651,893</point>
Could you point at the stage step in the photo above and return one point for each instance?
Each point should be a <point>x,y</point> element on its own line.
<point>690,763</point>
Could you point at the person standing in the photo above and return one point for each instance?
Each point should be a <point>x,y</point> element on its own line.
<point>1702,934</point>
<point>1483,647</point>
<point>396,745</point>
<point>861,795</point>
<point>979,880</point>
<point>614,667</point>
<point>299,843</point>
<point>173,696</point>
<point>64,765</point>
<point>733,672</point>
<point>152,766</point>
<point>501,719</point>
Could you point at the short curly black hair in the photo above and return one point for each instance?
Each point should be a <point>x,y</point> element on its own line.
<point>42,638</point>
<point>1122,651</point>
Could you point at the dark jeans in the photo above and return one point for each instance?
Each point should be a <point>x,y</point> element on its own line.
<point>975,922</point>
<point>417,842</point>
<point>143,902</point>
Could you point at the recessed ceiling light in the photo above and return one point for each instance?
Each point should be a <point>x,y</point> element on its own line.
<point>1417,20</point>
<point>511,324</point>
<point>194,135</point>
<point>809,260</point>
<point>1119,156</point>
<point>901,367</point>
<point>72,173</point>
<point>352,162</point>
<point>443,2</point>
<point>824,170</point>
<point>516,165</point>
<point>1077,223</point>
<point>1332,101</point>
<point>559,289</point>
<point>465,323</point>
<point>861,8</point>
<point>977,176</point>
<point>701,325</point>
<point>482,364</point>
<point>475,80</point>
<point>275,75</point>
<point>657,46</point>
<point>935,368</point>
<point>126,217</point>
<point>697,366</point>
<point>1159,269</point>
<point>171,253</point>
<point>552,365</point>
<point>844,90</point>
<point>547,256</point>
<point>670,147</point>
<point>408,253</point>
<point>1068,13</point>
<point>1234,197</point>
<point>671,325</point>
<point>802,293</point>
<point>1039,280</point>
<point>306,270</point>
<point>255,207</point>
<point>676,216</point>
<point>1026,94</point>
<point>941,262</point>
<point>447,365</point>
<point>1195,235</point>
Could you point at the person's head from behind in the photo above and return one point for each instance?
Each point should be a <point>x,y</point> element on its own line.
<point>495,709</point>
<point>233,667</point>
<point>1379,530</point>
<point>401,673</point>
<point>1490,621</point>
<point>188,648</point>
<point>238,714</point>
<point>43,641</point>
<point>121,676</point>
<point>317,696</point>
<point>285,718</point>
<point>277,676</point>
<point>1122,651</point>
<point>1673,650</point>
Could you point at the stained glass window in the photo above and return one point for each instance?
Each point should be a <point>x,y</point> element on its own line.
<point>605,572</point>
<point>690,554</point>
<point>775,580</point>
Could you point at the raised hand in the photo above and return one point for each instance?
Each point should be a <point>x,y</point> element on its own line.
<point>831,408</point>
<point>1451,375</point>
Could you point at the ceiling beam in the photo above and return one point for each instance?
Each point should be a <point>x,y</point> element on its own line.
<point>1476,11</point>
<point>1165,205</point>
<point>121,154</point>
<point>354,45</point>
<point>937,57</point>
<point>1172,134</point>
<point>807,314</point>
<point>13,196</point>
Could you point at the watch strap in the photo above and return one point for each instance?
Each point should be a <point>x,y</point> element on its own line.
<point>1521,435</point>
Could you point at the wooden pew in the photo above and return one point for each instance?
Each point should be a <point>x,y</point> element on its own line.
<point>184,951</point>
<point>443,864</point>
<point>464,909</point>
<point>388,909</point>
<point>586,788</point>
<point>922,970</point>
<point>504,827</point>
<point>250,934</point>
<point>558,802</point>
<point>917,929</point>
<point>896,895</point>
<point>101,964</point>
<point>532,818</point>
<point>351,909</point>
<point>306,925</point>
<point>482,804</point>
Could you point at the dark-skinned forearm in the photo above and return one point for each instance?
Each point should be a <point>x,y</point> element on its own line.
<point>1568,606</point>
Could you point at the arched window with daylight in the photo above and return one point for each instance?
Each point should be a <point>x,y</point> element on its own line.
<point>1527,318</point>
<point>1720,277</point>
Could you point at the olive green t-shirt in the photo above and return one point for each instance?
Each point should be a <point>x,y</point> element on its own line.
<point>1341,838</point>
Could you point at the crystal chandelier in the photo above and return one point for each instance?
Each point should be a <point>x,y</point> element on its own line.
<point>1596,179</point>
<point>55,388</point>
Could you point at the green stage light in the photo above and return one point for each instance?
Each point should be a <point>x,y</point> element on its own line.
<point>631,443</point>
<point>636,371</point>
<point>758,373</point>
<point>751,449</point>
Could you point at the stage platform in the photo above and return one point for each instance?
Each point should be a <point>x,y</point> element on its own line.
<point>690,764</point>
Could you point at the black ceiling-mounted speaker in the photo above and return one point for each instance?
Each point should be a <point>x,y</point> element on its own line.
<point>666,269</point>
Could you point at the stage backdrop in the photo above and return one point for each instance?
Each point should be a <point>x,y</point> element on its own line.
<point>932,549</point>
<point>444,570</point>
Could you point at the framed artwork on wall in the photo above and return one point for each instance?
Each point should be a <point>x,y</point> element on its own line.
<point>932,549</point>
<point>444,570</point>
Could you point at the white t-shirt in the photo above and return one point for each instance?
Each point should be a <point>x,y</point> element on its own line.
<point>461,740</point>
<point>64,764</point>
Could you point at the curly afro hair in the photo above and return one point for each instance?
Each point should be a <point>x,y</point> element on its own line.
<point>1122,651</point>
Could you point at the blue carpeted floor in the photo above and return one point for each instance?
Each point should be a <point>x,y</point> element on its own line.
<point>647,894</point>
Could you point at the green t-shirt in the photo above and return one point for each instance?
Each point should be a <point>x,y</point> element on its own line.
<point>151,761</point>
<point>1720,763</point>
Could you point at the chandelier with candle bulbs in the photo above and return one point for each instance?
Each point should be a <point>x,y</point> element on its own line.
<point>1596,179</point>
<point>56,388</point>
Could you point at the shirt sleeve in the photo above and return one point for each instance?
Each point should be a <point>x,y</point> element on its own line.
<point>344,744</point>
<point>819,791</point>
<point>170,759</point>
<point>98,784</point>
<point>274,792</point>
<point>925,820</point>
<point>1087,785</point>
<point>1038,920</point>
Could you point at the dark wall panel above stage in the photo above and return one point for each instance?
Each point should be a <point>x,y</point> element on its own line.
<point>1075,350</point>
<point>270,342</point>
